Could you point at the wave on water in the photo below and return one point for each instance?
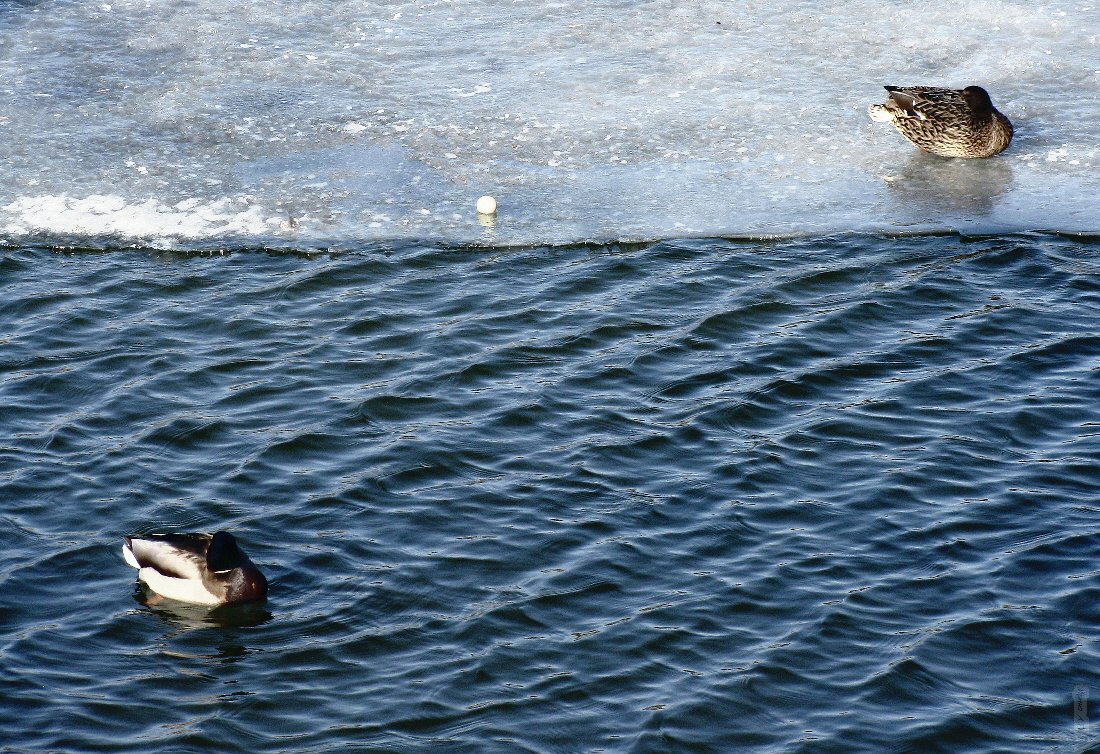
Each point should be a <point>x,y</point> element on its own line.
<point>791,495</point>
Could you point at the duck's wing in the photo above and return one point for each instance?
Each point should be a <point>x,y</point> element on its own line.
<point>178,556</point>
<point>922,102</point>
<point>905,104</point>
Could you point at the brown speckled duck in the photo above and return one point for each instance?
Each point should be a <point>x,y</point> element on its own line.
<point>947,122</point>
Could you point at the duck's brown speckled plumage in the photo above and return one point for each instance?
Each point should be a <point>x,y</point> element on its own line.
<point>946,122</point>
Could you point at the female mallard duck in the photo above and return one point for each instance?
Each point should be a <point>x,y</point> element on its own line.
<point>947,122</point>
<point>207,569</point>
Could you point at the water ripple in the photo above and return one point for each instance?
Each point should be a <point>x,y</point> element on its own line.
<point>700,495</point>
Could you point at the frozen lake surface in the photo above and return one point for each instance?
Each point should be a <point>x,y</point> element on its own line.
<point>319,123</point>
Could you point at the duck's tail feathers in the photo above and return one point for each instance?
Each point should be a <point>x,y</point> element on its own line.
<point>128,554</point>
<point>879,113</point>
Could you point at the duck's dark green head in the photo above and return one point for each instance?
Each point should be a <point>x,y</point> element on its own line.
<point>223,553</point>
<point>978,99</point>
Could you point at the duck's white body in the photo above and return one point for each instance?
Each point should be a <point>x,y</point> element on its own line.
<point>203,569</point>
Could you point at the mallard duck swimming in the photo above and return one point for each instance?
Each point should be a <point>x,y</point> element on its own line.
<point>947,122</point>
<point>207,569</point>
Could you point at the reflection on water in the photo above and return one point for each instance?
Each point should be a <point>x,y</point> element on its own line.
<point>188,616</point>
<point>928,187</point>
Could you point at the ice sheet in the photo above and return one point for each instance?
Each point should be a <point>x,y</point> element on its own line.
<point>326,123</point>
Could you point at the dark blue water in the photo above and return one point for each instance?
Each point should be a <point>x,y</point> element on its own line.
<point>835,494</point>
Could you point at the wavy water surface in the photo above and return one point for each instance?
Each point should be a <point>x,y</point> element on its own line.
<point>833,494</point>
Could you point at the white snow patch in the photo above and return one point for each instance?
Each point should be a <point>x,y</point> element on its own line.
<point>109,215</point>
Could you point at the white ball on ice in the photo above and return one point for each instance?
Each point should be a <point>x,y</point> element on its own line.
<point>486,205</point>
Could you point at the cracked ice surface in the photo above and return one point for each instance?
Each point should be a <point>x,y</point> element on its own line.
<point>313,123</point>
